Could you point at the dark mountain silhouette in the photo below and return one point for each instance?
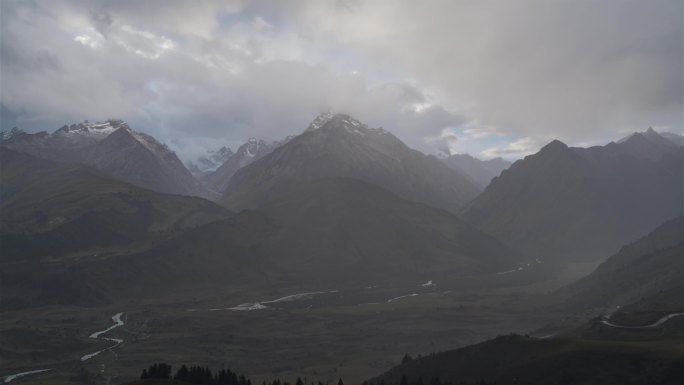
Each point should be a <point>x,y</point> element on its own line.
<point>39,195</point>
<point>583,203</point>
<point>57,215</point>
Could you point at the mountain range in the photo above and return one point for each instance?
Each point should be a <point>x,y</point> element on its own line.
<point>249,152</point>
<point>209,162</point>
<point>325,231</point>
<point>115,149</point>
<point>563,203</point>
<point>99,215</point>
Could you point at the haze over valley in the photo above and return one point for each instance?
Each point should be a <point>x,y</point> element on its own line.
<point>253,192</point>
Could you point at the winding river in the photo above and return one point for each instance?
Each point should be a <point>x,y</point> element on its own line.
<point>250,306</point>
<point>97,335</point>
<point>11,377</point>
<point>649,326</point>
<point>117,322</point>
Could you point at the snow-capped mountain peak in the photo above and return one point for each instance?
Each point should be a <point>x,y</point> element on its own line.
<point>114,148</point>
<point>252,147</point>
<point>98,131</point>
<point>344,122</point>
<point>337,120</point>
<point>320,121</point>
<point>210,161</point>
<point>9,134</point>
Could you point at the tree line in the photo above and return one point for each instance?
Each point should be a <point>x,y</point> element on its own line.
<point>203,376</point>
<point>195,375</point>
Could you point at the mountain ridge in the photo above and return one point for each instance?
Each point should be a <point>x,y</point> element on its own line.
<point>250,151</point>
<point>341,146</point>
<point>640,269</point>
<point>570,203</point>
<point>111,146</point>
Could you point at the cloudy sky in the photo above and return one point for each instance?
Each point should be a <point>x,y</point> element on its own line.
<point>492,78</point>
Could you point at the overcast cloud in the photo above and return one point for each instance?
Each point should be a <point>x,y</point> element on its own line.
<point>493,78</point>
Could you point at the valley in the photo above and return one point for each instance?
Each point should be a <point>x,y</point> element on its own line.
<point>326,331</point>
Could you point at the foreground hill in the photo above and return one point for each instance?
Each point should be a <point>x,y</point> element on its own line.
<point>340,146</point>
<point>651,265</point>
<point>39,195</point>
<point>115,149</point>
<point>523,360</point>
<point>57,214</point>
<point>576,203</point>
<point>325,234</point>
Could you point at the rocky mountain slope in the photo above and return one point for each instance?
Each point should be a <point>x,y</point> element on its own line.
<point>249,152</point>
<point>566,203</point>
<point>341,146</point>
<point>209,162</point>
<point>644,268</point>
<point>114,148</point>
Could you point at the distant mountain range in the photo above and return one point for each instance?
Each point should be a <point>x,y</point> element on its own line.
<point>562,203</point>
<point>566,203</point>
<point>249,152</point>
<point>480,172</point>
<point>209,162</point>
<point>113,148</point>
<point>341,146</point>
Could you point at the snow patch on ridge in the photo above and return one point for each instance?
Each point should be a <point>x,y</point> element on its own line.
<point>320,121</point>
<point>345,122</point>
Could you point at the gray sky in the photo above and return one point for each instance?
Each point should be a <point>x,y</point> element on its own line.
<point>492,78</point>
